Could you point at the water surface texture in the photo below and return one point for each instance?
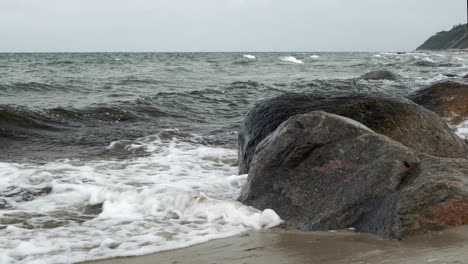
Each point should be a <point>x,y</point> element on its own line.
<point>119,154</point>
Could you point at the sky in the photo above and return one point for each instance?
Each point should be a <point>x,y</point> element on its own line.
<point>223,25</point>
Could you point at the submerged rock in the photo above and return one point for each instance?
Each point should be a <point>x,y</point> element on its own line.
<point>397,118</point>
<point>450,75</point>
<point>448,99</point>
<point>321,171</point>
<point>379,75</point>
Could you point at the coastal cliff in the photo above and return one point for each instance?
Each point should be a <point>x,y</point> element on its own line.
<point>456,38</point>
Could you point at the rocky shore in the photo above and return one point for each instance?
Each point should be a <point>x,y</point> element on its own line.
<point>357,169</point>
<point>383,165</point>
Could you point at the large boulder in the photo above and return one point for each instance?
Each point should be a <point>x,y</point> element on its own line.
<point>436,196</point>
<point>448,99</point>
<point>379,75</point>
<point>320,171</point>
<point>397,118</point>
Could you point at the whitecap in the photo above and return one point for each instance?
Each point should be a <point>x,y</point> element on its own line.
<point>314,56</point>
<point>291,59</point>
<point>249,56</point>
<point>428,59</point>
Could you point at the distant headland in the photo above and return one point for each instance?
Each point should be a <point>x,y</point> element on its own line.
<point>456,38</point>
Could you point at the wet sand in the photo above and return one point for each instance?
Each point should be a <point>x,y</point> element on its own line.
<point>281,246</point>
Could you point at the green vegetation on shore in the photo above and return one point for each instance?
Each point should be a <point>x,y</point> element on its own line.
<point>456,38</point>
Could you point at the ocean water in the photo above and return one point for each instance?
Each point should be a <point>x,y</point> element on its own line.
<point>122,154</point>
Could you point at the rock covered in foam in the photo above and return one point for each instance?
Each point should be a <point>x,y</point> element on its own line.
<point>448,99</point>
<point>320,171</point>
<point>397,118</point>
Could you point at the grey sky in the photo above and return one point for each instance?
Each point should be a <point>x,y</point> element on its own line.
<point>223,25</point>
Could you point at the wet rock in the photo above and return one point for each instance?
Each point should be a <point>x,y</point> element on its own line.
<point>397,118</point>
<point>92,209</point>
<point>379,75</point>
<point>320,171</point>
<point>450,75</point>
<point>436,197</point>
<point>448,99</point>
<point>465,77</point>
<point>24,195</point>
<point>4,204</point>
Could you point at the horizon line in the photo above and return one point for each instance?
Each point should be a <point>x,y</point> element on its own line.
<point>290,51</point>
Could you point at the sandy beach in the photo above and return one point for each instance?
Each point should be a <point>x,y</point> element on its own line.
<point>281,246</point>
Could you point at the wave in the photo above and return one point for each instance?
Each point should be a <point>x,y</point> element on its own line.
<point>21,117</point>
<point>431,63</point>
<point>314,56</point>
<point>248,56</point>
<point>292,59</point>
<point>425,62</point>
<point>246,84</point>
<point>29,87</point>
<point>110,114</point>
<point>136,81</point>
<point>61,62</point>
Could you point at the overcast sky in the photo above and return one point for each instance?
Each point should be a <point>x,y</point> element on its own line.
<point>223,25</point>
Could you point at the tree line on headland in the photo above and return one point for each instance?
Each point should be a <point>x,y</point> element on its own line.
<point>456,38</point>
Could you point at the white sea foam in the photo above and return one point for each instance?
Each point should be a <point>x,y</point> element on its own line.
<point>291,59</point>
<point>428,59</point>
<point>314,56</point>
<point>248,56</point>
<point>462,130</point>
<point>179,194</point>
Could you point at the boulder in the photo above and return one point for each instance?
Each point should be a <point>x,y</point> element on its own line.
<point>379,75</point>
<point>321,171</point>
<point>448,99</point>
<point>398,118</point>
<point>436,197</point>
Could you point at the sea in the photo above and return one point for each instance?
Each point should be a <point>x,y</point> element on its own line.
<point>106,155</point>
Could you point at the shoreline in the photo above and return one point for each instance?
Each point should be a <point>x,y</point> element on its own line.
<point>283,246</point>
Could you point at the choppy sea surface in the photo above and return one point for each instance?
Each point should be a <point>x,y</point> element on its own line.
<point>121,154</point>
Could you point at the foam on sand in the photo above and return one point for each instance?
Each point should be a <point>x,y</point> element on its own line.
<point>178,194</point>
<point>291,59</point>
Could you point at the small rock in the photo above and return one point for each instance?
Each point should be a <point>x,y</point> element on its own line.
<point>379,75</point>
